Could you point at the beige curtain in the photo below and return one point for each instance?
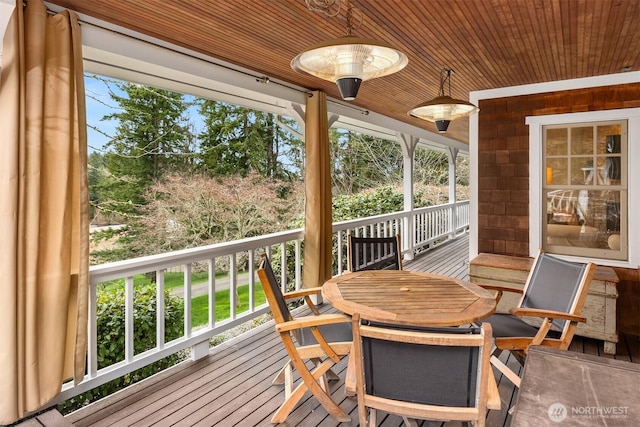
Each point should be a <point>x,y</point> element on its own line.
<point>318,222</point>
<point>43,209</point>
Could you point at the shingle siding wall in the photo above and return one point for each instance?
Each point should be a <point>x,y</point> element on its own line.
<point>503,162</point>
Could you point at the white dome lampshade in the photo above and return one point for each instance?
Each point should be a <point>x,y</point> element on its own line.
<point>348,61</point>
<point>443,108</point>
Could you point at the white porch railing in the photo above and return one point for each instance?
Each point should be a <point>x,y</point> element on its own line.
<point>430,226</point>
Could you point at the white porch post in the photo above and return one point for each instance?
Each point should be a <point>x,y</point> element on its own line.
<point>453,155</point>
<point>408,144</point>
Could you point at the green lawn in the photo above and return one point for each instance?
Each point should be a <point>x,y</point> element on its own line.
<point>200,305</point>
<point>171,280</point>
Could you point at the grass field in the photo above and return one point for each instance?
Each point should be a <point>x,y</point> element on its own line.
<point>171,280</point>
<point>200,305</point>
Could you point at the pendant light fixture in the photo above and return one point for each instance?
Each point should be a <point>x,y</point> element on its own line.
<point>443,108</point>
<point>348,60</point>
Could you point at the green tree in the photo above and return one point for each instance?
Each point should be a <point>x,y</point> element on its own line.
<point>153,137</point>
<point>237,140</point>
<point>96,175</point>
<point>431,167</point>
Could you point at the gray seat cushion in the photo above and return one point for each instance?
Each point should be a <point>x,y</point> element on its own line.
<point>333,332</point>
<point>507,325</point>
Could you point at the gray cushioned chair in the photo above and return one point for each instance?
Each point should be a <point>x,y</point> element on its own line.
<point>554,293</point>
<point>423,373</point>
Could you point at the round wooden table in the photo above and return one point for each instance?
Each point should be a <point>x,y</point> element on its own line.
<point>409,298</point>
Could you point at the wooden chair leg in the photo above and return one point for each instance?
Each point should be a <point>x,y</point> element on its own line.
<point>280,376</point>
<point>310,382</point>
<point>410,422</point>
<point>323,381</point>
<point>332,376</point>
<point>506,371</point>
<point>288,380</point>
<point>373,418</point>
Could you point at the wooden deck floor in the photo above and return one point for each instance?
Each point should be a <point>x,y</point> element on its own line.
<point>232,386</point>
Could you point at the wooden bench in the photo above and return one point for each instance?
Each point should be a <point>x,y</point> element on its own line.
<point>599,309</point>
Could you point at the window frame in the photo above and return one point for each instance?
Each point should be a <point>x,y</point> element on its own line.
<point>536,176</point>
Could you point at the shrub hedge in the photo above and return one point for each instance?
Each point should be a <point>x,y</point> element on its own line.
<point>111,337</point>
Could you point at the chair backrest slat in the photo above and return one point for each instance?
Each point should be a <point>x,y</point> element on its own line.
<point>374,253</point>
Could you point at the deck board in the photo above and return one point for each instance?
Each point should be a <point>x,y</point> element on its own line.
<point>232,386</point>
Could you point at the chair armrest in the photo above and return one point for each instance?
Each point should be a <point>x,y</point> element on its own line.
<point>309,321</point>
<point>493,394</point>
<point>535,312</point>
<point>305,293</point>
<point>499,288</point>
<point>302,293</point>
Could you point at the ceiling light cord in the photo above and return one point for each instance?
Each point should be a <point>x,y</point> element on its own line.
<point>445,75</point>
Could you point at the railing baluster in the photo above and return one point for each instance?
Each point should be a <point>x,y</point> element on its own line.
<point>160,309</point>
<point>187,300</point>
<point>252,277</point>
<point>92,331</point>
<point>283,264</point>
<point>233,285</point>
<point>298,263</point>
<point>128,315</point>
<point>211,283</point>
<point>340,247</point>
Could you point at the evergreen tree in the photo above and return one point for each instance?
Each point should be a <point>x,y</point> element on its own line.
<point>96,175</point>
<point>152,138</point>
<point>238,140</point>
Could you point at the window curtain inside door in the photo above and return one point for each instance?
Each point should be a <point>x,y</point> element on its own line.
<point>43,209</point>
<point>318,221</point>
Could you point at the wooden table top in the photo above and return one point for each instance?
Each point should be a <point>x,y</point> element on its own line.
<point>409,298</point>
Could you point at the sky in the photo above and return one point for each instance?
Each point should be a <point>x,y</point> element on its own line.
<point>97,100</point>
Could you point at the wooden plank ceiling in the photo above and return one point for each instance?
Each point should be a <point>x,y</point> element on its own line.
<point>489,43</point>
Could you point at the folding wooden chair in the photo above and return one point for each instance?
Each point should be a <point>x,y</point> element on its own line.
<point>322,339</point>
<point>423,373</point>
<point>374,253</point>
<point>555,291</point>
